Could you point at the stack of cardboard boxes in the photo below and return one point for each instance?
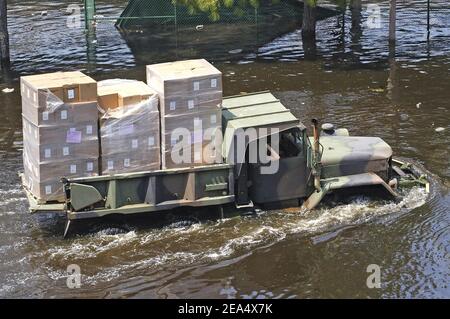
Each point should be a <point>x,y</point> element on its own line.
<point>129,128</point>
<point>60,131</point>
<point>60,114</point>
<point>190,94</point>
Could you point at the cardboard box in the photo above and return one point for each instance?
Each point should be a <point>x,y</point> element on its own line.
<point>50,171</point>
<point>138,160</point>
<point>50,191</point>
<point>69,87</point>
<point>186,86</point>
<point>146,141</point>
<point>187,77</point>
<point>200,126</point>
<point>54,153</point>
<point>181,105</point>
<point>198,154</point>
<point>69,113</point>
<point>77,133</point>
<point>113,94</point>
<point>44,180</point>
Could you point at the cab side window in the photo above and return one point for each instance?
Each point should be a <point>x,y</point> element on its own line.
<point>291,143</point>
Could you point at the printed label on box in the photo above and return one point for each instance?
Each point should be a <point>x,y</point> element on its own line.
<point>126,162</point>
<point>48,190</point>
<point>64,115</point>
<point>126,129</point>
<point>47,153</point>
<point>73,169</point>
<point>88,129</point>
<point>73,137</point>
<point>151,141</point>
<point>197,122</point>
<point>173,105</point>
<point>89,166</point>
<point>196,85</point>
<point>134,143</point>
<point>70,94</point>
<point>213,83</point>
<point>65,150</point>
<point>110,165</point>
<point>213,119</point>
<point>45,116</point>
<point>190,104</point>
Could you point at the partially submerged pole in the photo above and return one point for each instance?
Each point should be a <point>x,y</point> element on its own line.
<point>309,19</point>
<point>89,13</point>
<point>309,29</point>
<point>428,18</point>
<point>4,36</point>
<point>392,20</point>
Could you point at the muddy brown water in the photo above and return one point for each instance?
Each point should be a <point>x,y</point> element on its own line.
<point>325,253</point>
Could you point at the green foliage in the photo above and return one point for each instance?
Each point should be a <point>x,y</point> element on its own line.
<point>212,7</point>
<point>311,3</point>
<point>340,3</point>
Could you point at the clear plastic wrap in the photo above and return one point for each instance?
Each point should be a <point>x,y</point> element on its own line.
<point>190,95</point>
<point>60,139</point>
<point>130,133</point>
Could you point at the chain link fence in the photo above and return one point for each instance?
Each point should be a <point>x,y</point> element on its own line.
<point>201,12</point>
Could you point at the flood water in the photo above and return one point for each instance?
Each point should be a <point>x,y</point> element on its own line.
<point>349,81</point>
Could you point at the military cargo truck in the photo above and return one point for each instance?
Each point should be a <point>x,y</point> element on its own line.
<point>296,170</point>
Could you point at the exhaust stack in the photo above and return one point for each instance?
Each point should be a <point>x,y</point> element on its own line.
<point>316,155</point>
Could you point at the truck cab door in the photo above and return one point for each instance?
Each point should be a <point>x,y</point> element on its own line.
<point>285,176</point>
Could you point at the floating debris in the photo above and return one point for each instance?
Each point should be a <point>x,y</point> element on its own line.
<point>404,117</point>
<point>439,129</point>
<point>44,13</point>
<point>236,51</point>
<point>8,90</point>
<point>199,27</point>
<point>418,105</point>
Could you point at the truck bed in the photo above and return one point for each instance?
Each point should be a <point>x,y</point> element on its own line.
<point>141,192</point>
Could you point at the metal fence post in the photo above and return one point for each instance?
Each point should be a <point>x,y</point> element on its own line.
<point>392,20</point>
<point>4,36</point>
<point>89,12</point>
<point>428,19</point>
